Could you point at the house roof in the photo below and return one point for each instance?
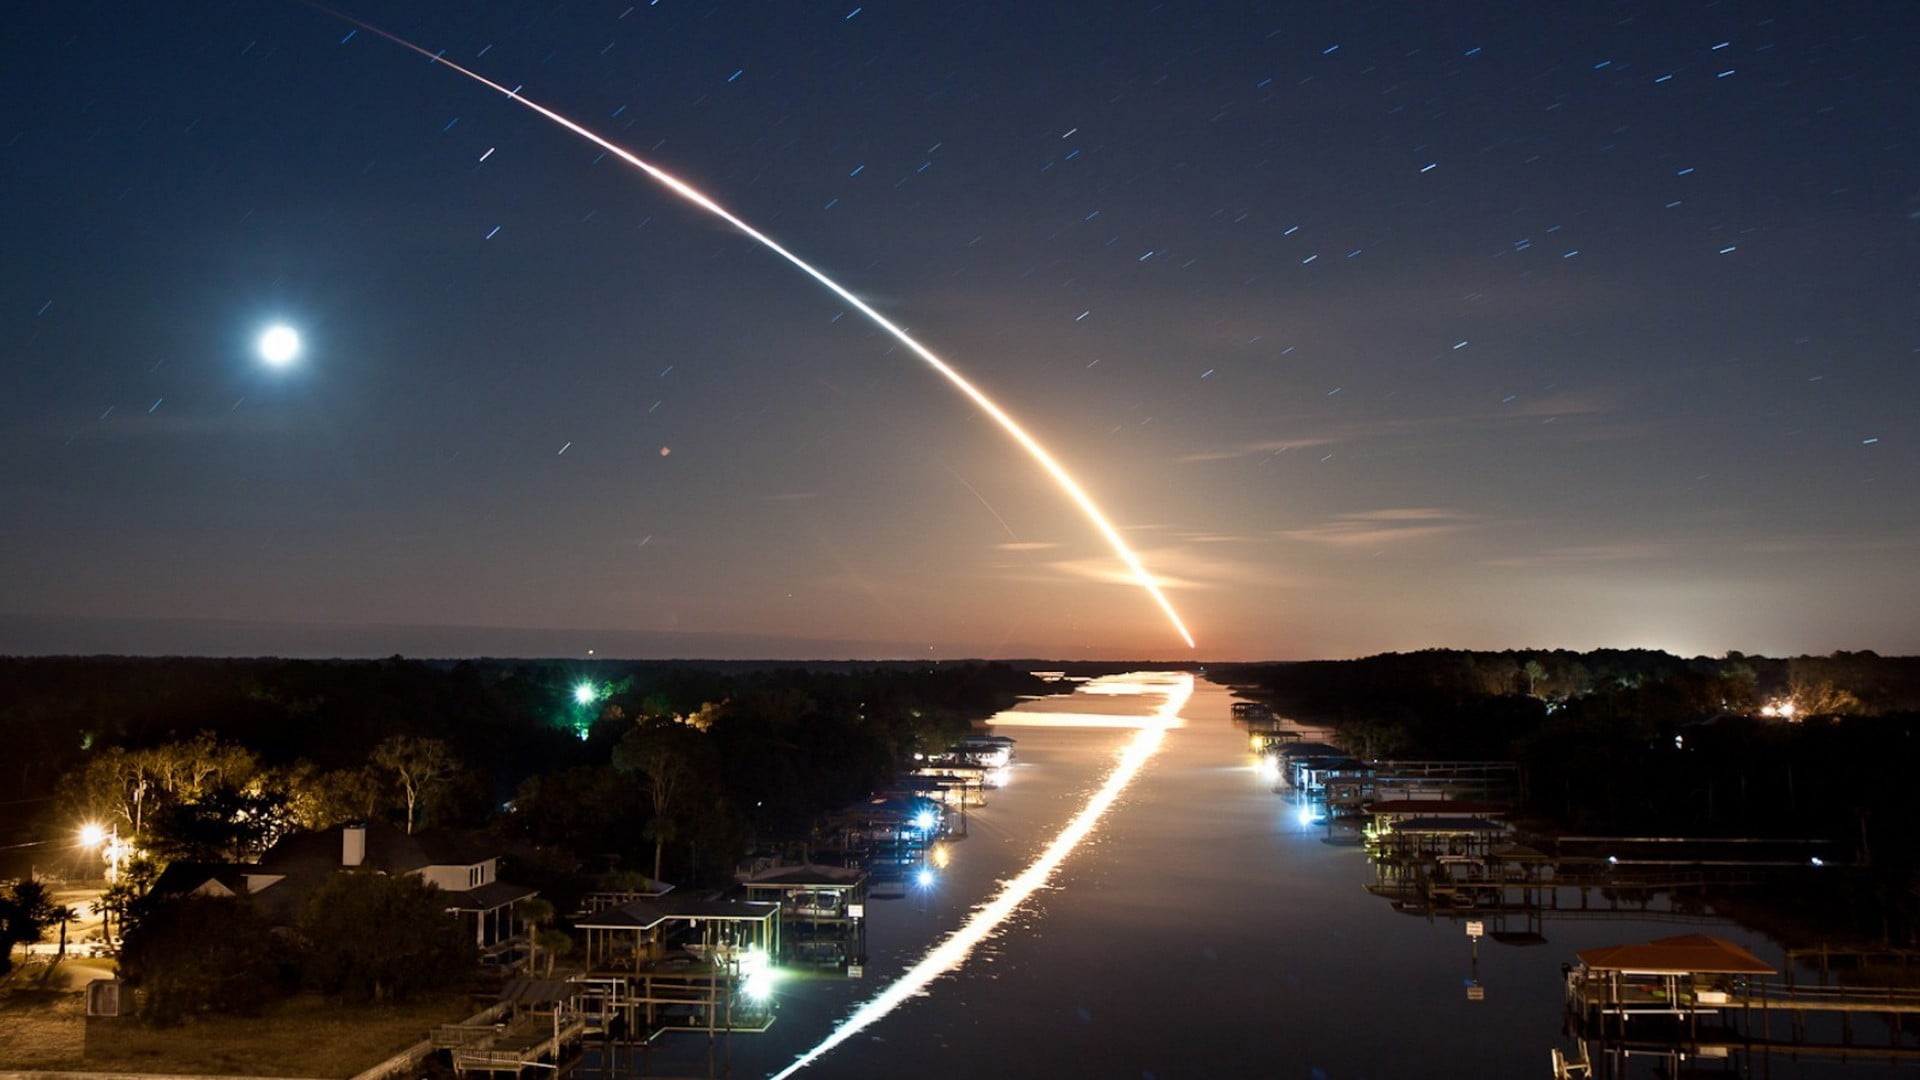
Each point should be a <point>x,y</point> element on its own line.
<point>388,849</point>
<point>1309,750</point>
<point>494,894</point>
<point>1442,825</point>
<point>187,878</point>
<point>810,874</point>
<point>647,914</point>
<point>1686,954</point>
<point>1421,807</point>
<point>525,991</point>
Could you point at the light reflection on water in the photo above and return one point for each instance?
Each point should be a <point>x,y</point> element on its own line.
<point>1166,697</point>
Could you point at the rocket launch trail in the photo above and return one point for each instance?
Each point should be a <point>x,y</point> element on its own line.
<point>1063,479</point>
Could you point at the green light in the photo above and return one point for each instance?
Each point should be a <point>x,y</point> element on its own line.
<point>585,693</point>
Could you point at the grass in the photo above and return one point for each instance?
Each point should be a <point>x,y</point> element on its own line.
<point>44,1026</point>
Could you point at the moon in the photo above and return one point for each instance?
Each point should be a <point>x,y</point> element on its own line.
<point>279,345</point>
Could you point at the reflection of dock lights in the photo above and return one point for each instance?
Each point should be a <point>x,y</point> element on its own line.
<point>756,971</point>
<point>759,985</point>
<point>1306,816</point>
<point>1269,769</point>
<point>940,856</point>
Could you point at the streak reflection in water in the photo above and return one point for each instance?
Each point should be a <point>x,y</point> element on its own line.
<point>953,951</point>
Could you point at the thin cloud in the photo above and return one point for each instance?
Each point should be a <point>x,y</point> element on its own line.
<point>1423,430</point>
<point>1375,528</point>
<point>1632,551</point>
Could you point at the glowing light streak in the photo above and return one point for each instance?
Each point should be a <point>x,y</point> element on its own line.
<point>1038,453</point>
<point>953,951</point>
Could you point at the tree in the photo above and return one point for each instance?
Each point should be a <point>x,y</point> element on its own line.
<point>223,824</point>
<point>1535,672</point>
<point>25,910</point>
<point>200,954</point>
<point>371,937</point>
<point>669,755</point>
<point>62,914</point>
<point>556,944</point>
<point>324,800</point>
<point>113,787</point>
<point>415,764</point>
<point>536,914</point>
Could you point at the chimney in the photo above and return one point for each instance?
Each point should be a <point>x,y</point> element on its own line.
<point>353,845</point>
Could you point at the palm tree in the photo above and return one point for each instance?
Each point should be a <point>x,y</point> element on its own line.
<point>65,914</point>
<point>535,914</point>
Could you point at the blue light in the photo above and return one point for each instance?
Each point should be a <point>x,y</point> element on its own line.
<point>925,820</point>
<point>924,879</point>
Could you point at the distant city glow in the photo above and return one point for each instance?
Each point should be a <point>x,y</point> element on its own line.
<point>691,194</point>
<point>279,345</point>
<point>952,951</point>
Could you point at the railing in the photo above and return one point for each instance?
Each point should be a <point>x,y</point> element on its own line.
<point>1794,995</point>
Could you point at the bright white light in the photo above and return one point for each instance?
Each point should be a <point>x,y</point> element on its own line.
<point>1306,816</point>
<point>279,345</point>
<point>953,950</point>
<point>92,835</point>
<point>584,693</point>
<point>925,879</point>
<point>758,986</point>
<point>924,820</point>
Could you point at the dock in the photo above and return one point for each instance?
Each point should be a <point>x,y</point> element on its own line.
<point>1696,996</point>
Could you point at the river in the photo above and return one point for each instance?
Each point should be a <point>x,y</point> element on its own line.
<point>1200,931</point>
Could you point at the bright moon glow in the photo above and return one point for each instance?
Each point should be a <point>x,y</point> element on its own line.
<point>279,345</point>
<point>1053,468</point>
<point>953,951</point>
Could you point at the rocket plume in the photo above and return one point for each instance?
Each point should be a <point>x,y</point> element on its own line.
<point>686,191</point>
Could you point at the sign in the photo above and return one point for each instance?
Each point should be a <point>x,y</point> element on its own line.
<point>1476,929</point>
<point>103,997</point>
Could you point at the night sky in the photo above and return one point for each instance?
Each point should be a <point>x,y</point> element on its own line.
<point>1374,326</point>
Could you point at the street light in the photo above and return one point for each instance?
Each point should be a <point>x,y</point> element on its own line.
<point>113,850</point>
